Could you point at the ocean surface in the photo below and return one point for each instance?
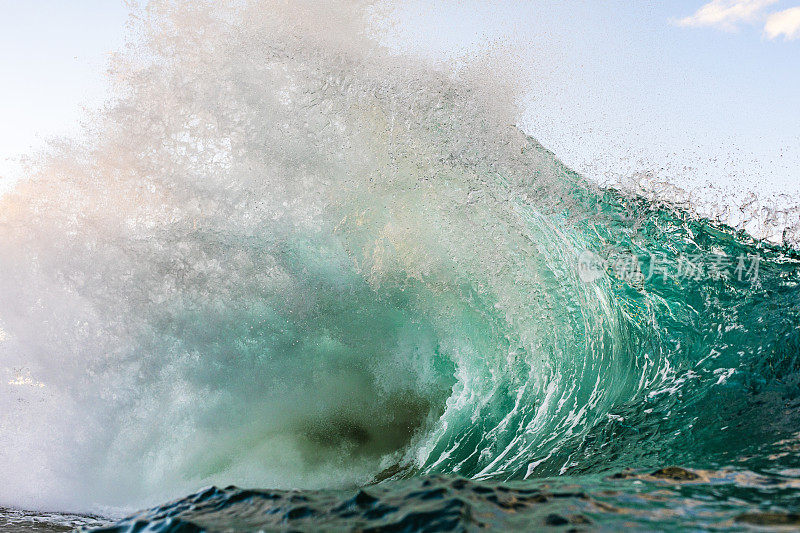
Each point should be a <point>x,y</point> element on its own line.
<point>286,259</point>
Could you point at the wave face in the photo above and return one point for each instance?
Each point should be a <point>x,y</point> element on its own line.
<point>285,257</point>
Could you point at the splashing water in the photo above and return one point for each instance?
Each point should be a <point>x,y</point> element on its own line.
<point>284,257</point>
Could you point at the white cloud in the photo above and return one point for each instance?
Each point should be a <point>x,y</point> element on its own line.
<point>727,14</point>
<point>784,23</point>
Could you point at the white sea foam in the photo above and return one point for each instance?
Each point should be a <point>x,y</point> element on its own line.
<point>285,256</point>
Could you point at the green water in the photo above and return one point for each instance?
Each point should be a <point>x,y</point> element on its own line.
<point>283,257</point>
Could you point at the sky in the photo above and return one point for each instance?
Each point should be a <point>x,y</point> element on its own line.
<point>688,90</point>
<point>53,56</point>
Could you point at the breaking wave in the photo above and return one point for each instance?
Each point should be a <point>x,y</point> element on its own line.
<point>284,256</point>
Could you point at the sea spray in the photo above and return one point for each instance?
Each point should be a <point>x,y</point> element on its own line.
<point>285,257</point>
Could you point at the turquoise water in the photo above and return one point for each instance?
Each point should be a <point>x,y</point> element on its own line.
<point>286,258</point>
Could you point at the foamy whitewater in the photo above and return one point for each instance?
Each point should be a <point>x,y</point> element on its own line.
<point>288,259</point>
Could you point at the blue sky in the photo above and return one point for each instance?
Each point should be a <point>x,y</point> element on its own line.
<point>52,59</point>
<point>688,89</point>
<point>619,86</point>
